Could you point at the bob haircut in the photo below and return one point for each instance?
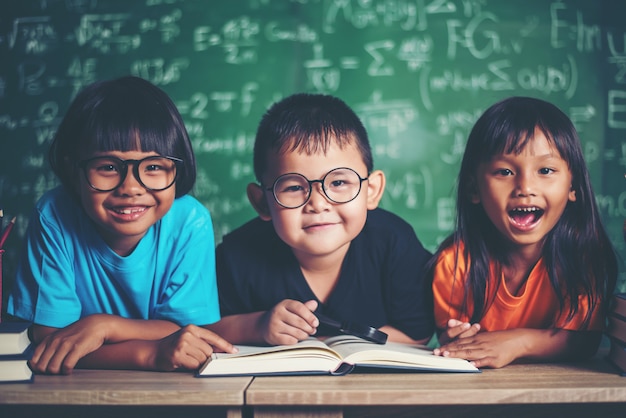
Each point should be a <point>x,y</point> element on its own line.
<point>124,114</point>
<point>308,123</point>
<point>579,255</point>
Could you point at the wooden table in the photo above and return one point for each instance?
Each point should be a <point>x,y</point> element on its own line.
<point>590,389</point>
<point>118,394</point>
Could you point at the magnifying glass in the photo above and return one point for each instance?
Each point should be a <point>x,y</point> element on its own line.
<point>358,330</point>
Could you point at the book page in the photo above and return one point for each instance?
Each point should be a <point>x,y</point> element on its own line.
<point>360,352</point>
<point>308,356</point>
<point>347,346</point>
<point>299,349</point>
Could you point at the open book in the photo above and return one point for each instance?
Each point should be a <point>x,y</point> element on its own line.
<point>337,356</point>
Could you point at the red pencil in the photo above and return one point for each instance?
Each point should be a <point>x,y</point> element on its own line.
<point>6,232</point>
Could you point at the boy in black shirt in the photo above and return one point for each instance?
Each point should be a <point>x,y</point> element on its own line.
<point>319,243</point>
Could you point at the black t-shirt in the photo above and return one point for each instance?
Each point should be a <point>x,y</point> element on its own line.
<point>381,282</point>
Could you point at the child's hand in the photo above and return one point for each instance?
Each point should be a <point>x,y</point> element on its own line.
<point>188,348</point>
<point>60,350</point>
<point>457,329</point>
<point>288,322</point>
<point>487,349</point>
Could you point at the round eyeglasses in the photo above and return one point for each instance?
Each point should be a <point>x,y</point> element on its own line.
<point>293,190</point>
<point>107,173</point>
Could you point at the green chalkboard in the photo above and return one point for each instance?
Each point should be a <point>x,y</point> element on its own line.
<point>418,73</point>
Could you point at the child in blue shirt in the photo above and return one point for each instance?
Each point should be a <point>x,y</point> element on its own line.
<point>118,258</point>
<point>319,244</point>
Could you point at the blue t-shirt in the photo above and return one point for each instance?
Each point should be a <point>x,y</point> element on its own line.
<point>66,270</point>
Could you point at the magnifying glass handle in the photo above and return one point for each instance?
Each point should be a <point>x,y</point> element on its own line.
<point>361,331</point>
<point>328,321</point>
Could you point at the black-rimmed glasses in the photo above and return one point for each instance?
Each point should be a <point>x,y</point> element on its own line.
<point>107,173</point>
<point>340,185</point>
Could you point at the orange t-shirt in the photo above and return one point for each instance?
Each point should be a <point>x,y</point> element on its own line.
<point>536,306</point>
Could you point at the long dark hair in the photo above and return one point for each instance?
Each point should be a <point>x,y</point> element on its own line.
<point>124,114</point>
<point>577,252</point>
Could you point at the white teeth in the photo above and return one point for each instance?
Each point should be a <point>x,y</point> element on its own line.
<point>527,209</point>
<point>128,211</point>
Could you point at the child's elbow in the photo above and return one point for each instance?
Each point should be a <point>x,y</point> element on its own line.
<point>583,344</point>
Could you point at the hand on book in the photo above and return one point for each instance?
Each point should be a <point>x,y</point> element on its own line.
<point>492,349</point>
<point>188,348</point>
<point>89,342</point>
<point>497,349</point>
<point>288,322</point>
<point>458,329</point>
<point>484,349</point>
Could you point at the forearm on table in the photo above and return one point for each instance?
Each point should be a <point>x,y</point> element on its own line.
<point>115,328</point>
<point>123,329</point>
<point>559,344</point>
<point>132,354</point>
<point>240,328</point>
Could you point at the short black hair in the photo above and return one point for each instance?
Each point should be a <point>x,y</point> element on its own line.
<point>308,122</point>
<point>123,114</point>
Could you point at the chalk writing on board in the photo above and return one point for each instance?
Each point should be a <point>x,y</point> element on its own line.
<point>168,26</point>
<point>33,35</point>
<point>405,15</point>
<point>614,205</point>
<point>393,116</point>
<point>105,33</point>
<point>413,189</point>
<point>417,72</point>
<point>617,109</point>
<point>581,115</point>
<point>564,31</point>
<point>159,70</point>
<point>617,57</point>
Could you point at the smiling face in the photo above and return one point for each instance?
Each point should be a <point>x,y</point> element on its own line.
<point>525,195</point>
<point>124,215</point>
<point>319,227</point>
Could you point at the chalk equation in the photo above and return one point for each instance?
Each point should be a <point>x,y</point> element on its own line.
<point>417,72</point>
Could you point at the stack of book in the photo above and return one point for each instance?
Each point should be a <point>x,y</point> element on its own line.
<point>616,331</point>
<point>15,351</point>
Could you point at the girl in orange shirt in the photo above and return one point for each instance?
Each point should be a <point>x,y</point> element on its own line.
<point>527,271</point>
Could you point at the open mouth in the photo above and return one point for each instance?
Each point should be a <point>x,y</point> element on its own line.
<point>525,216</point>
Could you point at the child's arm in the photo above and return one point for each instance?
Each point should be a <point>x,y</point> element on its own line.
<point>106,328</point>
<point>499,348</point>
<point>287,323</point>
<point>395,335</point>
<point>108,341</point>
